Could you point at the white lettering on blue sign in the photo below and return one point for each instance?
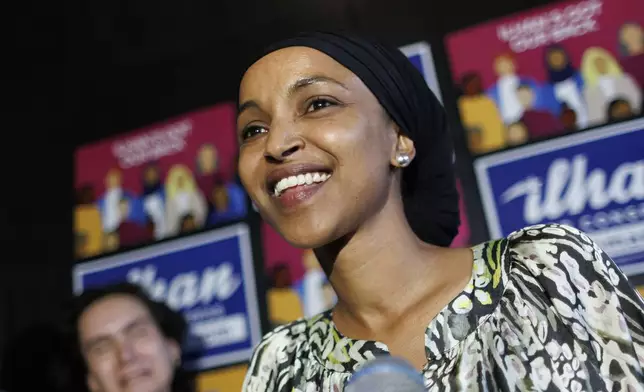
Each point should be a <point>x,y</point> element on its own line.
<point>189,288</point>
<point>570,189</point>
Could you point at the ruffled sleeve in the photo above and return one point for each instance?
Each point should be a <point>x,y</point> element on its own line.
<point>590,299</point>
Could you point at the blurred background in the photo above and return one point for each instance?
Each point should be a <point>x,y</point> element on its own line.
<point>125,119</point>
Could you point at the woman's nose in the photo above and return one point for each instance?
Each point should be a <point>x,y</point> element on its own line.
<point>282,142</point>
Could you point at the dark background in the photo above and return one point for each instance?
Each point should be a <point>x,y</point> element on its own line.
<point>78,72</point>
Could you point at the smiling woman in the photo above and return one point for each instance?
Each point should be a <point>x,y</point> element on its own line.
<point>345,150</point>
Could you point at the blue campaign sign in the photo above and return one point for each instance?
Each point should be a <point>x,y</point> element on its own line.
<point>208,277</point>
<point>420,54</point>
<point>593,181</point>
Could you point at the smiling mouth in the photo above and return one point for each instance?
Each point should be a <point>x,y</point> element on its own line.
<point>135,377</point>
<point>301,180</point>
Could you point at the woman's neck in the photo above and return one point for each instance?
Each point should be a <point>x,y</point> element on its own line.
<point>383,269</point>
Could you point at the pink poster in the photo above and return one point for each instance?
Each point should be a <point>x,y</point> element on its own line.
<point>158,182</point>
<point>549,71</point>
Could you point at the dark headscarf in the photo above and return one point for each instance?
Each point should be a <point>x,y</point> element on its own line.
<point>429,188</point>
<point>568,71</point>
<point>149,189</point>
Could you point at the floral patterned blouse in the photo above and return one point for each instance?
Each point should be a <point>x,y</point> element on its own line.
<point>546,310</point>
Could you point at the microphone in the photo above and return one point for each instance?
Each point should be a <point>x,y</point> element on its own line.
<point>386,374</point>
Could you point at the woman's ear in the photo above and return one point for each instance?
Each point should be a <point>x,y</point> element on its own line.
<point>405,151</point>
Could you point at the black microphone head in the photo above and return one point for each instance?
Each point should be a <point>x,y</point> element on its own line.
<point>386,374</point>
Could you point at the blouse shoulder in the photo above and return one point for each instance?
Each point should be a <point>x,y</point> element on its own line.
<point>570,262</point>
<point>545,248</point>
<point>272,355</point>
<point>567,272</point>
<point>536,241</point>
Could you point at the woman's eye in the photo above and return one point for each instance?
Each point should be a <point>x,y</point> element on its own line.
<point>139,332</point>
<point>252,131</point>
<point>318,104</point>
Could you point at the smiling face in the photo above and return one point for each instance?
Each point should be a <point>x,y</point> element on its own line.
<point>124,349</point>
<point>316,146</point>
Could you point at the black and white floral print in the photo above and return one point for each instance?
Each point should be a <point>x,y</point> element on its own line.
<point>546,310</point>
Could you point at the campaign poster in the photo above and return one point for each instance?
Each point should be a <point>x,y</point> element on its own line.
<point>549,71</point>
<point>208,277</point>
<point>229,379</point>
<point>593,181</point>
<point>297,285</point>
<point>420,54</point>
<point>171,178</point>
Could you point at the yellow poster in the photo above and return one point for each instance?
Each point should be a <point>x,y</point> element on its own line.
<point>229,379</point>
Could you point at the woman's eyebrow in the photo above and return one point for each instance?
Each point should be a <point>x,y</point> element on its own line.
<point>310,80</point>
<point>293,88</point>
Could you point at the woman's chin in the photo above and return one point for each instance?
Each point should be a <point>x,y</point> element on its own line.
<point>307,238</point>
<point>305,241</point>
<point>309,232</point>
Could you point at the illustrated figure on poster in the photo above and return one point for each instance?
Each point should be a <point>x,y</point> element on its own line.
<point>480,116</point>
<point>313,296</point>
<point>619,110</point>
<point>153,199</point>
<point>606,82</point>
<point>568,118</point>
<point>631,45</point>
<point>567,83</point>
<point>80,244</point>
<point>206,168</point>
<point>111,242</point>
<point>284,304</point>
<point>540,123</point>
<point>517,134</point>
<point>110,213</point>
<point>88,229</point>
<point>188,224</point>
<point>227,202</point>
<point>183,198</point>
<point>130,232</point>
<point>504,91</point>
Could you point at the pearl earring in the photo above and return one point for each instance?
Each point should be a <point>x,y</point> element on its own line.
<point>403,160</point>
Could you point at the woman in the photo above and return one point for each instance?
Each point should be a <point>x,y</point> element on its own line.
<point>480,116</point>
<point>566,82</point>
<point>153,199</point>
<point>631,47</point>
<point>345,150</point>
<point>184,201</point>
<point>606,82</point>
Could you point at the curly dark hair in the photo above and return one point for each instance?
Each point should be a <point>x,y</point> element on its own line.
<point>170,323</point>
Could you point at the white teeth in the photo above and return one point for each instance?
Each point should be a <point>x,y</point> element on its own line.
<point>300,179</point>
